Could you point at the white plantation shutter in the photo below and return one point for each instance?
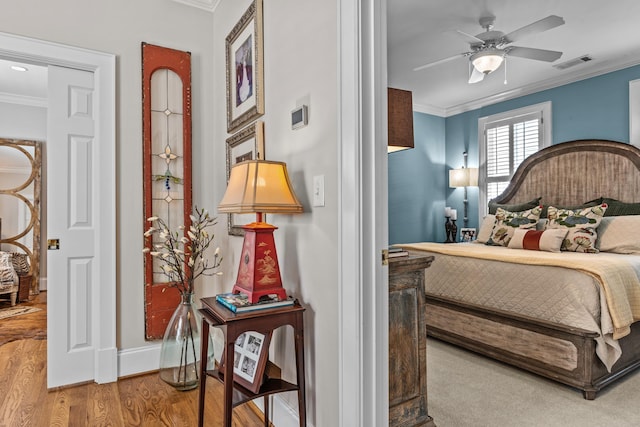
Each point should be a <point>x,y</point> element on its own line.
<point>505,141</point>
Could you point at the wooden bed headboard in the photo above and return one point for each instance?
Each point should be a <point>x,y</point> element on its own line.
<point>572,173</point>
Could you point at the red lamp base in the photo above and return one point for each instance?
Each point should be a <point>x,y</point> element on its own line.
<point>259,272</point>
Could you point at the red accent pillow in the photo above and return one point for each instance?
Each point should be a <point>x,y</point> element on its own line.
<point>549,240</point>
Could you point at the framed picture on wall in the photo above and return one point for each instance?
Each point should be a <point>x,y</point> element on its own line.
<point>248,144</point>
<point>245,72</point>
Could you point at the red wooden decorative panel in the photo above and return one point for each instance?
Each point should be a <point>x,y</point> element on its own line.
<point>166,121</point>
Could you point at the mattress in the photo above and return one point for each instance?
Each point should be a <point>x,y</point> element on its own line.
<point>555,294</point>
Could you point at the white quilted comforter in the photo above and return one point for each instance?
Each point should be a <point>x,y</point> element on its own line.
<point>555,294</point>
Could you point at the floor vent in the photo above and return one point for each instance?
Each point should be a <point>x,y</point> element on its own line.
<point>573,62</point>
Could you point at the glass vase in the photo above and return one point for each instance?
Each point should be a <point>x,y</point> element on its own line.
<point>180,351</point>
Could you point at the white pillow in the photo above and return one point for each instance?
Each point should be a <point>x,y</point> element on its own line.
<point>619,234</point>
<point>549,240</point>
<point>486,228</point>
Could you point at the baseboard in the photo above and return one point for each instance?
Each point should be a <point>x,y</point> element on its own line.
<point>282,415</point>
<point>139,360</point>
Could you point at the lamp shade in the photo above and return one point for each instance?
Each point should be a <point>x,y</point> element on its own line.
<point>463,177</point>
<point>400,119</point>
<point>488,60</point>
<point>259,186</point>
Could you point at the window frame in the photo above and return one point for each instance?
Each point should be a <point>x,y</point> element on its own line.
<point>543,108</point>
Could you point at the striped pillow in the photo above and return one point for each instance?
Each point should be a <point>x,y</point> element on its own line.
<point>7,273</point>
<point>538,240</point>
<point>20,262</point>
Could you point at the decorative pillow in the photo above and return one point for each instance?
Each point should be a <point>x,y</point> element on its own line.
<point>582,225</point>
<point>538,240</point>
<point>485,228</point>
<point>542,223</point>
<point>493,206</point>
<point>507,222</point>
<point>20,262</point>
<point>585,205</point>
<point>618,208</point>
<point>7,273</point>
<point>619,234</point>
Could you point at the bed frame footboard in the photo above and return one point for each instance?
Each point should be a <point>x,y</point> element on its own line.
<point>558,352</point>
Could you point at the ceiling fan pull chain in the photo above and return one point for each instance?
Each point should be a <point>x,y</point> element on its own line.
<point>505,70</point>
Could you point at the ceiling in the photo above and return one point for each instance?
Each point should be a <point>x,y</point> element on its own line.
<point>31,84</point>
<point>424,31</point>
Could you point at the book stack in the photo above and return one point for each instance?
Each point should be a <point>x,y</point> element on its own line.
<point>397,252</point>
<point>239,303</point>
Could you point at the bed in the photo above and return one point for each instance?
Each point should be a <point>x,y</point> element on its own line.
<point>570,316</point>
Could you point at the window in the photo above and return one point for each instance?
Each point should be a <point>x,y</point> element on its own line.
<point>505,140</point>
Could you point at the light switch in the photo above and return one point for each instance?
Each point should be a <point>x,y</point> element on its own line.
<point>318,190</point>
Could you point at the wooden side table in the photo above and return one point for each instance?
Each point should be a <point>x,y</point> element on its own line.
<point>232,326</point>
<point>408,342</point>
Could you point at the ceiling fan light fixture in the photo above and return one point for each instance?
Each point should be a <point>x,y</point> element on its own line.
<point>487,61</point>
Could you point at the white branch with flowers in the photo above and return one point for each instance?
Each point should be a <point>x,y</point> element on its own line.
<point>182,257</point>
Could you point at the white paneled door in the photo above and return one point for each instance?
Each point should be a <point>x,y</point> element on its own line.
<point>72,219</point>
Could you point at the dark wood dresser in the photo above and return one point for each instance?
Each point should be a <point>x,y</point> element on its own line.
<point>408,342</point>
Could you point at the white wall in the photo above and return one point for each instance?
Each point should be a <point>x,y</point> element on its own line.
<point>23,122</point>
<point>300,67</point>
<point>300,51</point>
<point>118,27</point>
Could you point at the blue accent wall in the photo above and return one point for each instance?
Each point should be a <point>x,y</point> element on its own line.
<point>416,184</point>
<point>595,108</point>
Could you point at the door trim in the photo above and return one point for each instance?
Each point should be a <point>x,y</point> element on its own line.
<point>363,226</point>
<point>103,66</point>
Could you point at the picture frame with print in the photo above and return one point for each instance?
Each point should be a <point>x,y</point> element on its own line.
<point>247,144</point>
<point>245,69</point>
<point>467,234</point>
<point>251,351</point>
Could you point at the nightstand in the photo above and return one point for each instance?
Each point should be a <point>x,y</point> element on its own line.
<point>408,341</point>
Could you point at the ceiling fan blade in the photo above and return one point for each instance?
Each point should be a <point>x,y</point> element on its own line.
<point>533,53</point>
<point>441,61</point>
<point>469,38</point>
<point>476,76</point>
<point>544,24</point>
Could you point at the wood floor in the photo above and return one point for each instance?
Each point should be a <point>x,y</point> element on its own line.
<point>138,401</point>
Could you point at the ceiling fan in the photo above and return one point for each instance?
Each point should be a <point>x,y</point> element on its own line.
<point>490,48</point>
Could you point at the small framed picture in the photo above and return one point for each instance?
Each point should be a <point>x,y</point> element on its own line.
<point>245,72</point>
<point>248,144</point>
<point>251,350</point>
<point>467,234</point>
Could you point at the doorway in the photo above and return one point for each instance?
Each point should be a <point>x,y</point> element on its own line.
<point>100,353</point>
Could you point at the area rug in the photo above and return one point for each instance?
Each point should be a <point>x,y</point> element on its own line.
<point>17,311</point>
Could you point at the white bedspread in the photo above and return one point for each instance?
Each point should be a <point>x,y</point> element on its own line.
<point>553,293</point>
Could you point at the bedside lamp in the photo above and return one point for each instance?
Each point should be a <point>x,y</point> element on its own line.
<point>464,177</point>
<point>259,186</point>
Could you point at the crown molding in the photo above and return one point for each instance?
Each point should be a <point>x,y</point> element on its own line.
<point>208,5</point>
<point>430,109</point>
<point>538,87</point>
<point>29,101</point>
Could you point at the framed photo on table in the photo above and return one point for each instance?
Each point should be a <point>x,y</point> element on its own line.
<point>251,351</point>
<point>248,144</point>
<point>245,69</point>
<point>467,234</point>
